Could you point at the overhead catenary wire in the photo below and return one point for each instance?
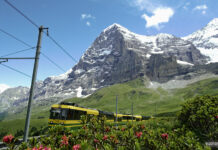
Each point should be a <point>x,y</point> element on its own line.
<point>16,70</point>
<point>33,23</point>
<point>14,37</point>
<point>30,47</point>
<point>65,51</point>
<point>52,62</point>
<point>18,51</point>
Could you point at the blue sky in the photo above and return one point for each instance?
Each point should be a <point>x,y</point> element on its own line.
<point>76,23</point>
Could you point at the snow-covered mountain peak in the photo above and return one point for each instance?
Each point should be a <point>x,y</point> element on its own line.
<point>206,40</point>
<point>213,22</point>
<point>115,26</point>
<point>3,87</point>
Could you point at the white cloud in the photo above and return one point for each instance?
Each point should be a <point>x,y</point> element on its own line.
<point>201,8</point>
<point>160,15</point>
<point>88,23</point>
<point>145,4</point>
<point>87,16</point>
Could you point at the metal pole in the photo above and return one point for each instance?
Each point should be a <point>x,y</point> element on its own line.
<point>26,131</point>
<point>116,110</point>
<point>132,112</point>
<point>155,109</point>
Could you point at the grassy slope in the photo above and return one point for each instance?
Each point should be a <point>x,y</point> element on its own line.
<point>135,91</point>
<point>145,100</point>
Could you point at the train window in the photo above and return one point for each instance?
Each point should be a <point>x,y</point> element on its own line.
<point>110,117</point>
<point>64,113</point>
<point>138,119</point>
<point>55,113</point>
<point>78,114</point>
<point>70,114</point>
<point>118,119</point>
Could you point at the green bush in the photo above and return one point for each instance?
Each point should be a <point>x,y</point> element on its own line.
<point>200,114</point>
<point>97,134</point>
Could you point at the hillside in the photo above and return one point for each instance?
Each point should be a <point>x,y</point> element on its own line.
<point>146,101</point>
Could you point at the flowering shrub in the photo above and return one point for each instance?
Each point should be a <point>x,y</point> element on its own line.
<point>97,134</point>
<point>199,115</point>
<point>41,147</point>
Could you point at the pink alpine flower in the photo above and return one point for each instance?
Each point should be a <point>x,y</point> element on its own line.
<point>76,147</point>
<point>164,136</point>
<point>96,141</point>
<point>64,141</point>
<point>46,148</point>
<point>34,148</point>
<point>8,139</point>
<point>138,134</point>
<point>105,137</point>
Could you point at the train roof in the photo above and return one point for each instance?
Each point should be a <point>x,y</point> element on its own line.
<point>69,105</point>
<point>75,107</point>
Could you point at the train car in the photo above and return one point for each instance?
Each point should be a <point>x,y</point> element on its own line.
<point>68,115</point>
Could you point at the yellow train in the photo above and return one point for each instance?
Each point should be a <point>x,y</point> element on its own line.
<point>68,114</point>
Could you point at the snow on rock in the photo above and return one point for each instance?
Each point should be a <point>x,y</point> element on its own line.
<point>3,87</point>
<point>62,76</point>
<point>184,63</point>
<point>79,71</point>
<point>79,92</point>
<point>206,40</point>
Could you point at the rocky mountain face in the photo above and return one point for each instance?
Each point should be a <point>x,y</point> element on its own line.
<point>118,55</point>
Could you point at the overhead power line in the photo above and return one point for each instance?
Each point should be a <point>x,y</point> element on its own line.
<point>52,62</point>
<point>16,70</point>
<point>30,47</point>
<point>68,54</point>
<point>14,37</point>
<point>33,23</point>
<point>18,51</point>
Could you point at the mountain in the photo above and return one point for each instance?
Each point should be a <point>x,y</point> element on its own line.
<point>13,97</point>
<point>118,55</point>
<point>206,40</point>
<point>3,87</point>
